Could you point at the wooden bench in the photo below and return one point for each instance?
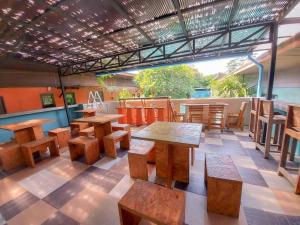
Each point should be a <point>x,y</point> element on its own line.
<point>87,132</point>
<point>153,203</point>
<point>84,146</point>
<point>78,126</point>
<point>138,157</point>
<point>110,140</point>
<point>39,145</point>
<point>62,135</point>
<point>121,126</point>
<point>11,155</point>
<point>224,185</point>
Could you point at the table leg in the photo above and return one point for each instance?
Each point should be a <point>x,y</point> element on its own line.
<point>172,162</point>
<point>102,130</point>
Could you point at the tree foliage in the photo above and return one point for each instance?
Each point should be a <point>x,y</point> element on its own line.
<point>230,86</point>
<point>176,81</point>
<point>101,79</point>
<point>125,93</point>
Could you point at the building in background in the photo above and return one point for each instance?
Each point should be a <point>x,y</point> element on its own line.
<point>287,77</point>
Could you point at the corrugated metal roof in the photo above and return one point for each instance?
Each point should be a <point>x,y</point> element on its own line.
<point>62,32</point>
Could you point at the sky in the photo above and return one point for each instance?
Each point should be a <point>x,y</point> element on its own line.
<point>219,65</point>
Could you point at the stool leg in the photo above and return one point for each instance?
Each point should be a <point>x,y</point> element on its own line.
<point>284,151</point>
<point>110,148</point>
<point>28,157</point>
<point>276,135</point>
<point>54,151</point>
<point>192,156</point>
<point>125,142</point>
<point>282,127</point>
<point>293,149</point>
<point>138,166</point>
<point>268,141</point>
<point>91,153</point>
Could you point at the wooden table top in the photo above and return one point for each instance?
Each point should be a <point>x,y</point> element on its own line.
<point>159,204</point>
<point>188,134</point>
<point>25,124</point>
<point>203,104</point>
<point>86,111</point>
<point>100,118</point>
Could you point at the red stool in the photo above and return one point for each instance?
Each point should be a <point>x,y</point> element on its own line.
<point>150,115</point>
<point>160,114</point>
<point>139,116</point>
<point>131,116</point>
<point>122,110</point>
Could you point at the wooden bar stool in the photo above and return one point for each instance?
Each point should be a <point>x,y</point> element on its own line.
<point>236,120</point>
<point>123,111</point>
<point>265,115</point>
<point>139,116</point>
<point>131,116</point>
<point>291,131</point>
<point>216,118</point>
<point>253,117</point>
<point>160,114</point>
<point>150,115</point>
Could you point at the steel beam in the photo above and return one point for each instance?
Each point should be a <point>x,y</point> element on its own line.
<point>274,33</point>
<point>64,96</point>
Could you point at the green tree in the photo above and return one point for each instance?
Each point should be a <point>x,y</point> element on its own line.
<point>124,94</point>
<point>101,79</point>
<point>176,81</point>
<point>230,86</point>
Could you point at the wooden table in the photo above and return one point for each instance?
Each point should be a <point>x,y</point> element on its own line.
<point>87,112</point>
<point>27,131</point>
<point>172,144</point>
<point>102,125</point>
<point>156,204</point>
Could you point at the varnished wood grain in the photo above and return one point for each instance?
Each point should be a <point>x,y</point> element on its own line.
<point>25,124</point>
<point>187,134</point>
<point>11,156</point>
<point>110,140</point>
<point>63,135</point>
<point>100,118</point>
<point>152,202</point>
<point>224,185</point>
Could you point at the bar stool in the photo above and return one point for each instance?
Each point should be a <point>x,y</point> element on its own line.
<point>150,115</point>
<point>265,115</point>
<point>139,116</point>
<point>160,114</point>
<point>253,117</point>
<point>292,130</point>
<point>131,116</point>
<point>123,111</point>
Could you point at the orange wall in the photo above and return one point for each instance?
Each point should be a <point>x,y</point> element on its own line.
<point>25,99</point>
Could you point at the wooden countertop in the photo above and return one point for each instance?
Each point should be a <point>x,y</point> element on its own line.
<point>100,118</point>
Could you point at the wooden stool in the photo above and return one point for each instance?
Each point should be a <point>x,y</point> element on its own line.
<point>224,185</point>
<point>266,116</point>
<point>131,116</point>
<point>253,117</point>
<point>160,114</point>
<point>77,126</point>
<point>123,111</point>
<point>39,145</point>
<point>84,146</point>
<point>292,130</point>
<point>152,202</point>
<point>87,132</point>
<point>236,120</point>
<point>138,157</point>
<point>110,140</point>
<point>150,115</point>
<point>119,126</point>
<point>62,135</point>
<point>139,116</point>
<point>11,156</point>
<point>216,117</point>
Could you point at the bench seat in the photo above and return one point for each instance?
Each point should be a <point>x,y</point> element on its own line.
<point>39,145</point>
<point>138,157</point>
<point>87,132</point>
<point>151,202</point>
<point>11,156</point>
<point>224,185</point>
<point>111,139</point>
<point>78,126</point>
<point>121,126</point>
<point>84,146</point>
<point>62,134</point>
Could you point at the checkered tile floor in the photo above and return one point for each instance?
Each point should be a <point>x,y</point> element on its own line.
<point>59,191</point>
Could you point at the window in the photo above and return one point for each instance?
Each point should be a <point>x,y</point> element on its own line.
<point>2,106</point>
<point>48,100</point>
<point>70,98</point>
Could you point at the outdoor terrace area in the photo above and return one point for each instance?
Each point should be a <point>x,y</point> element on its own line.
<point>75,150</point>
